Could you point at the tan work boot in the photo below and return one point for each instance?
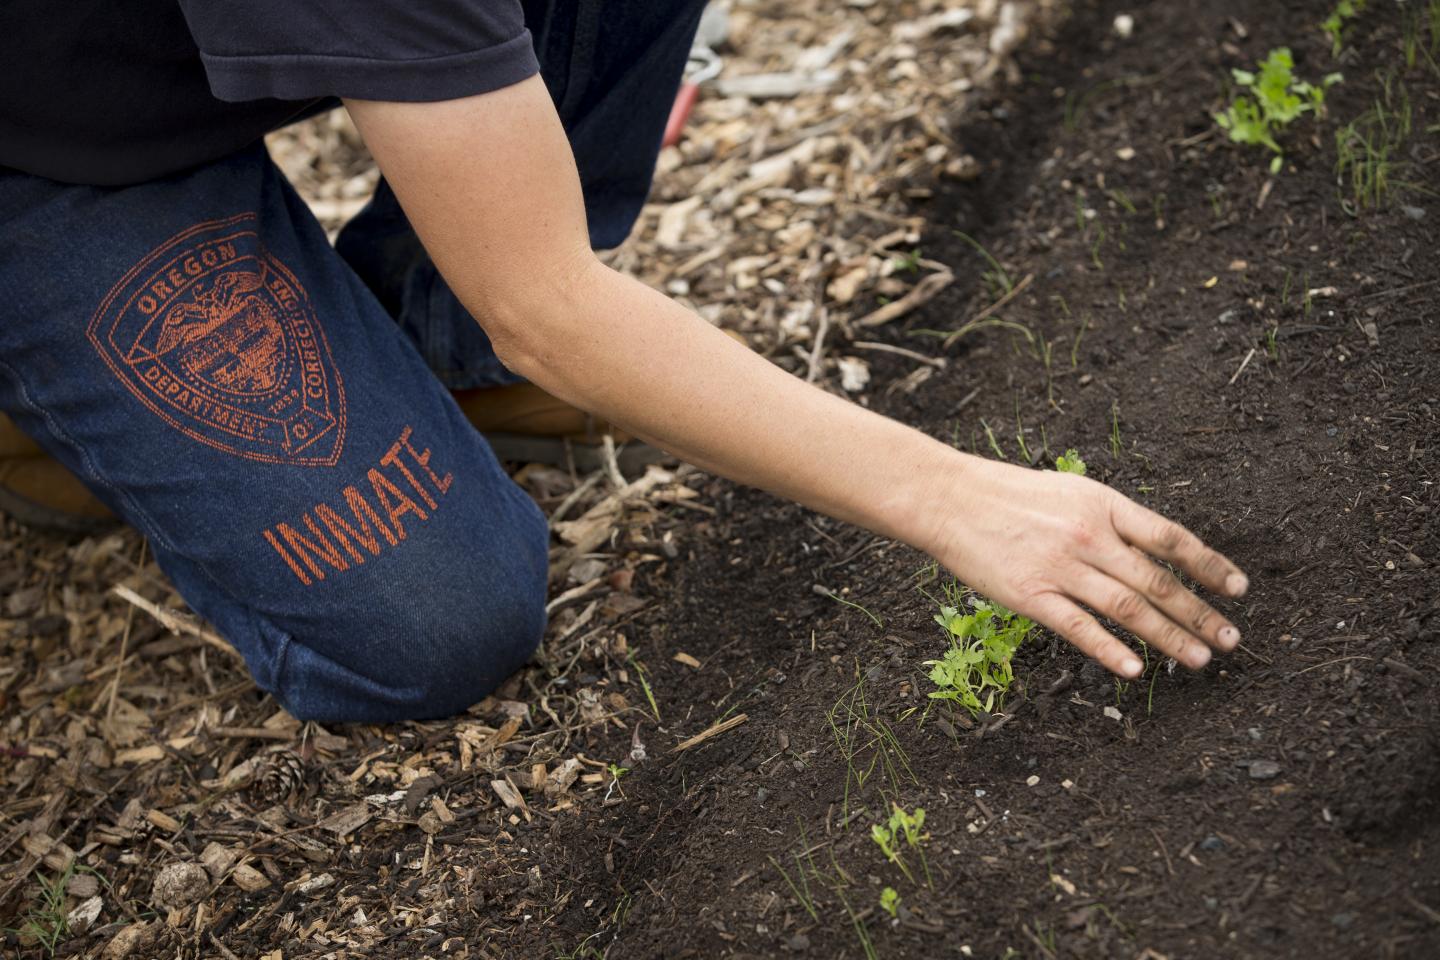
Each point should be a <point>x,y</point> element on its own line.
<point>524,424</point>
<point>37,491</point>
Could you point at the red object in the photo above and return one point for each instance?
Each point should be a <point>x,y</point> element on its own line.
<point>680,112</point>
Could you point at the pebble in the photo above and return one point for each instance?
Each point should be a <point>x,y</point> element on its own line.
<point>1414,213</point>
<point>180,884</point>
<point>1264,769</point>
<point>1212,843</point>
<point>798,943</point>
<point>1343,920</point>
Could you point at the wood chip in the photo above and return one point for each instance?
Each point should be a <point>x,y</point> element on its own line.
<point>685,658</point>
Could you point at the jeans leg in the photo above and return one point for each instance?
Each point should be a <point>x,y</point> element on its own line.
<point>195,351</point>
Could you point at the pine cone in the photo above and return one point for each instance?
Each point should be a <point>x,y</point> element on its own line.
<point>282,774</point>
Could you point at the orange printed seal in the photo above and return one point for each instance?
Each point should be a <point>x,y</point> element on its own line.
<point>218,338</point>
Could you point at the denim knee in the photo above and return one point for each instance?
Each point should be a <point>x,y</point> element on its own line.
<point>422,646</point>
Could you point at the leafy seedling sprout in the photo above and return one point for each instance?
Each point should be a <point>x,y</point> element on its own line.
<point>890,901</point>
<point>1070,462</point>
<point>906,827</point>
<point>1275,99</point>
<point>975,672</point>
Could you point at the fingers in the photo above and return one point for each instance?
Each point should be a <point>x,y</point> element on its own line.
<point>1168,540</point>
<point>1082,630</point>
<point>1166,594</point>
<point>1132,610</point>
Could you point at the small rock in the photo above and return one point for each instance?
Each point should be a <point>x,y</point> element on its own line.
<point>1124,26</point>
<point>799,943</point>
<point>761,795</point>
<point>1032,780</point>
<point>1414,213</point>
<point>180,884</point>
<point>1229,316</point>
<point>1264,769</point>
<point>1212,844</point>
<point>1343,920</point>
<point>1113,713</point>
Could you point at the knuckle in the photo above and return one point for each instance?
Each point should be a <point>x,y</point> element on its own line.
<point>1076,625</point>
<point>1163,584</point>
<point>1169,536</point>
<point>1202,618</point>
<point>1127,606</point>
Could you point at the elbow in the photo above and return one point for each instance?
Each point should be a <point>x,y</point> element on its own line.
<point>534,314</point>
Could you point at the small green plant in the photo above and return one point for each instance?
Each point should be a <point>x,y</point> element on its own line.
<point>1070,462</point>
<point>996,279</point>
<point>902,826</point>
<point>1370,149</point>
<point>868,745</point>
<point>45,923</point>
<point>1275,100</point>
<point>890,901</point>
<point>976,672</point>
<point>1334,25</point>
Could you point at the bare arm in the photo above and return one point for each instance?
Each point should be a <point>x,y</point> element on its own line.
<point>490,185</point>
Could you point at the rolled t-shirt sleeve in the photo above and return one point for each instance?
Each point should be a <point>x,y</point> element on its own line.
<point>409,50</point>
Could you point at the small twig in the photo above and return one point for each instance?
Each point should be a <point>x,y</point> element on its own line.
<point>612,462</point>
<point>921,293</point>
<point>1165,853</point>
<point>174,622</point>
<point>225,951</point>
<point>817,351</point>
<point>1432,914</point>
<point>1331,663</point>
<point>938,363</point>
<point>713,731</point>
<point>1243,364</point>
<point>573,497</point>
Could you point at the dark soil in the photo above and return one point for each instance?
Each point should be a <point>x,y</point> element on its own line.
<point>1285,802</point>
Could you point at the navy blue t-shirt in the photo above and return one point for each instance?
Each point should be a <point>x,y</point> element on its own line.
<point>112,92</point>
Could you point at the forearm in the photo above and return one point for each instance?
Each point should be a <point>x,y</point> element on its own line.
<point>615,347</point>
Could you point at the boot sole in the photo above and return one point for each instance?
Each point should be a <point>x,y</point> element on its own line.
<point>39,517</point>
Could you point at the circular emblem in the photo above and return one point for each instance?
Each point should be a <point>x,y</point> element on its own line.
<point>217,337</point>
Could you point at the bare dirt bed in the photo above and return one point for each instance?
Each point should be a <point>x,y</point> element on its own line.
<point>1248,354</point>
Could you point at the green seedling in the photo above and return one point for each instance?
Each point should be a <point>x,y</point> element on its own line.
<point>645,686</point>
<point>1115,429</point>
<point>1334,25</point>
<point>1370,149</point>
<point>890,901</point>
<point>1070,462</point>
<point>994,444</point>
<point>996,279</point>
<point>1275,100</point>
<point>868,745</point>
<point>976,671</point>
<point>45,924</point>
<point>906,827</point>
<point>909,262</point>
<point>616,772</point>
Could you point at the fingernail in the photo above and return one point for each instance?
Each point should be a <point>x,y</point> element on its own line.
<point>1132,667</point>
<point>1229,637</point>
<point>1236,584</point>
<point>1201,658</point>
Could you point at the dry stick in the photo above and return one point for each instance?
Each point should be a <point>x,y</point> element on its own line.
<point>225,951</point>
<point>938,363</point>
<point>1168,865</point>
<point>919,294</point>
<point>1000,304</point>
<point>573,497</point>
<point>816,351</point>
<point>124,643</point>
<point>713,731</point>
<point>1243,364</point>
<point>172,621</point>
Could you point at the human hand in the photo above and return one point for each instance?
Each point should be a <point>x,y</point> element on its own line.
<point>1043,543</point>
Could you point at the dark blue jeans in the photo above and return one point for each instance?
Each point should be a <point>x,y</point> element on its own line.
<point>200,356</point>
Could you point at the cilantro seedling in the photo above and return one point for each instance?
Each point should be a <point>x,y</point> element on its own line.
<point>890,901</point>
<point>904,827</point>
<point>976,672</point>
<point>1070,462</point>
<point>1334,25</point>
<point>1275,100</point>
